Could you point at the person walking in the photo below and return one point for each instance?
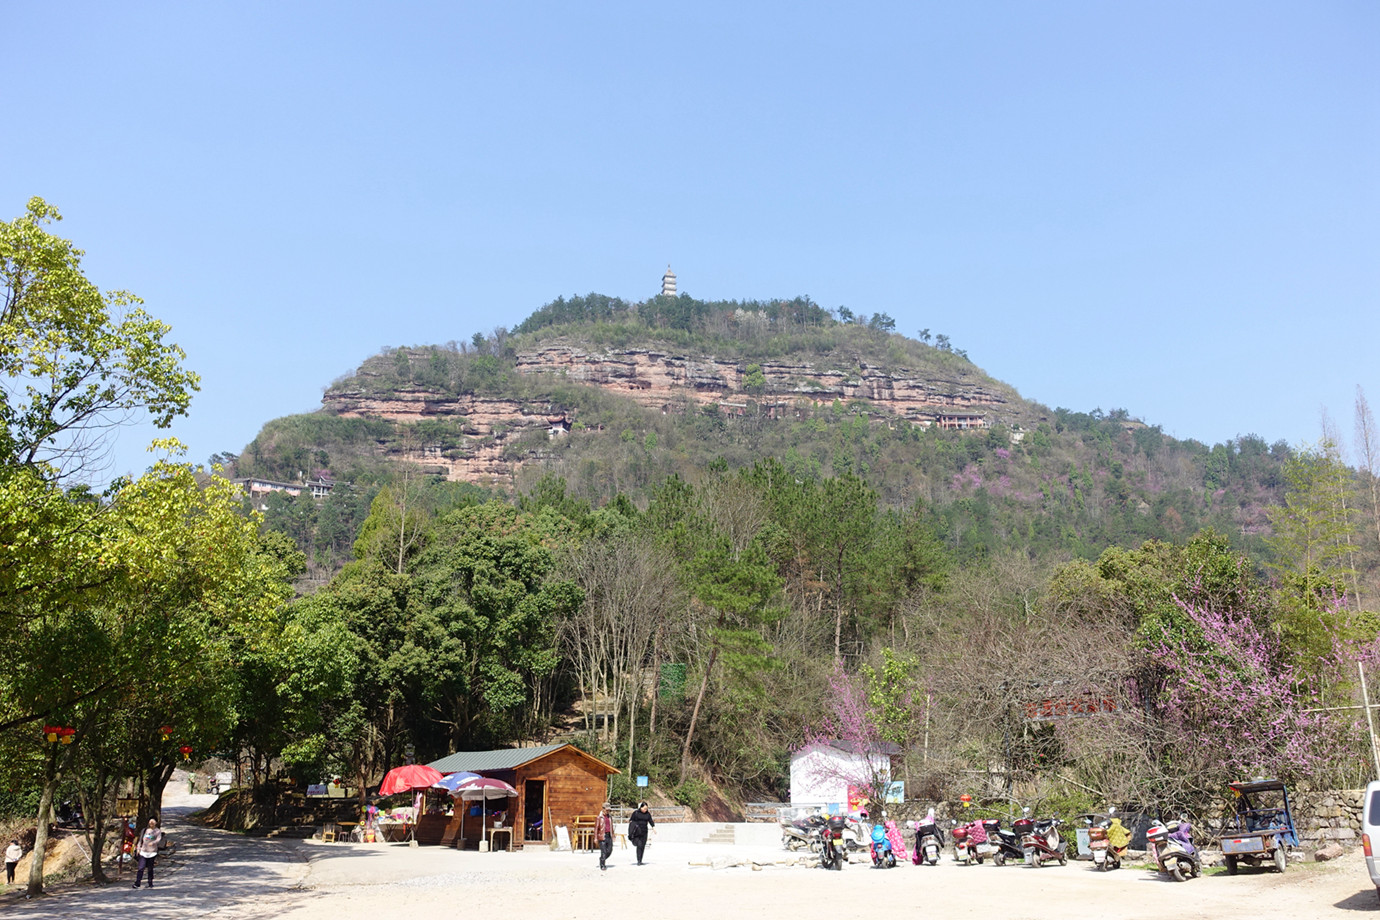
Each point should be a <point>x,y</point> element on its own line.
<point>13,854</point>
<point>637,828</point>
<point>149,842</point>
<point>603,832</point>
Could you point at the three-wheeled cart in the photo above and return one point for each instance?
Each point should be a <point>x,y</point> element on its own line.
<point>1262,828</point>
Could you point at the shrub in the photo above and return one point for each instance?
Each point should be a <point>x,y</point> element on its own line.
<point>691,793</point>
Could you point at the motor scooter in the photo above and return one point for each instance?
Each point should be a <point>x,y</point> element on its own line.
<point>962,846</point>
<point>801,833</point>
<point>882,856</point>
<point>929,840</point>
<point>1171,846</point>
<point>1040,840</point>
<point>1108,840</point>
<point>1006,845</point>
<point>970,843</point>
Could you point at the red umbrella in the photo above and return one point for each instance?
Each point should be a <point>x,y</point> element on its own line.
<point>405,779</point>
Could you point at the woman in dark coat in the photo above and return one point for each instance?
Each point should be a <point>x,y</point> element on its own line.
<point>637,829</point>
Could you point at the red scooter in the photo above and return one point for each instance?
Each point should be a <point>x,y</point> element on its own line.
<point>1040,840</point>
<point>970,843</point>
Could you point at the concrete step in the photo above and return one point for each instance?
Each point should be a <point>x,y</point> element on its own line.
<point>723,834</point>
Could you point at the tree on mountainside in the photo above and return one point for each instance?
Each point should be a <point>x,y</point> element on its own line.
<point>1311,546</point>
<point>1368,446</point>
<point>631,591</point>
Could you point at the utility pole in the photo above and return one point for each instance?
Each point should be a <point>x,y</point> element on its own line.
<point>1370,719</point>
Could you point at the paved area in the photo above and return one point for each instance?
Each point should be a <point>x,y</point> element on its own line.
<point>230,877</point>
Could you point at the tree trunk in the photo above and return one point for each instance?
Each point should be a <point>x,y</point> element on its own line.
<point>51,773</point>
<point>94,811</point>
<point>695,715</point>
<point>632,723</point>
<point>156,781</point>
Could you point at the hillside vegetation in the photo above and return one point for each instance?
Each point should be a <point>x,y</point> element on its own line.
<point>1045,480</point>
<point>1067,610</point>
<point>693,592</point>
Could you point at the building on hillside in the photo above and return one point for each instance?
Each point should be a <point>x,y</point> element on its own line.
<point>254,487</point>
<point>961,420</point>
<point>822,772</point>
<point>558,424</point>
<point>556,784</point>
<point>668,283</point>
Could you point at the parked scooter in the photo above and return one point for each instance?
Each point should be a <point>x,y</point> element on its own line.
<point>882,856</point>
<point>929,840</point>
<point>801,833</point>
<point>1040,840</point>
<point>962,846</point>
<point>1108,841</point>
<point>970,843</point>
<point>1005,845</point>
<point>1171,846</point>
<point>833,852</point>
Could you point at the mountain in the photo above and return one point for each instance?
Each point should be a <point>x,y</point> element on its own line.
<point>615,396</point>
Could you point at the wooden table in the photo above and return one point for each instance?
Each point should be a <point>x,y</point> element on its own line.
<point>500,830</point>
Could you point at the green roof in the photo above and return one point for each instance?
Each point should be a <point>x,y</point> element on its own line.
<point>503,759</point>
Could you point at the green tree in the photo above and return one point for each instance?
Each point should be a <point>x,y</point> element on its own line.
<point>1311,545</point>
<point>73,360</point>
<point>738,591</point>
<point>178,576</point>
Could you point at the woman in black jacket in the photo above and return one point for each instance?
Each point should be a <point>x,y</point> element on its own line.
<point>637,829</point>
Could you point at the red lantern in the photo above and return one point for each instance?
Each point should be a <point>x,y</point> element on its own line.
<point>51,732</point>
<point>966,799</point>
<point>186,751</point>
<point>67,735</point>
<point>166,731</point>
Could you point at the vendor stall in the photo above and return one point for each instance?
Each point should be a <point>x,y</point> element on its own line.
<point>555,783</point>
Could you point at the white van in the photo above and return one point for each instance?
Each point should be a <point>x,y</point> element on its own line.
<point>1370,831</point>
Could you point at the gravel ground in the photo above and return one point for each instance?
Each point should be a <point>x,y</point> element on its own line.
<point>229,877</point>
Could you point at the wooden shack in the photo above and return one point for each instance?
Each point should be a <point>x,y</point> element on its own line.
<point>556,783</point>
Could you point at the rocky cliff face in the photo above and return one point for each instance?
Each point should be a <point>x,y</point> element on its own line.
<point>658,380</point>
<point>666,382</point>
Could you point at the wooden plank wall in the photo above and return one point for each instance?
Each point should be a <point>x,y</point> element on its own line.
<point>574,786</point>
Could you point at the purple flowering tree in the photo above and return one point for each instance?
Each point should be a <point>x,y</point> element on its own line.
<point>852,726</point>
<point>1229,704</point>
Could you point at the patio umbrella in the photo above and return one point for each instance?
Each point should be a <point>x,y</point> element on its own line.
<point>407,778</point>
<point>451,780</point>
<point>482,789</point>
<point>448,784</point>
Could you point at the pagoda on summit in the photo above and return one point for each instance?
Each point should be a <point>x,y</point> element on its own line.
<point>668,283</point>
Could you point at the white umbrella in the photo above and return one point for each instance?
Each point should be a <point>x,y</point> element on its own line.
<point>482,789</point>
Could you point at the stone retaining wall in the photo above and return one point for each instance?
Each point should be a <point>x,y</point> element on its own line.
<point>1325,816</point>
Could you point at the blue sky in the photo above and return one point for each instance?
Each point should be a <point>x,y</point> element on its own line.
<point>1172,208</point>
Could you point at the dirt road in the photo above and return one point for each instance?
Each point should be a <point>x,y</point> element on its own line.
<point>228,877</point>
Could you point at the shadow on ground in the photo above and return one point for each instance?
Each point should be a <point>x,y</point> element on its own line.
<point>1362,900</point>
<point>211,870</point>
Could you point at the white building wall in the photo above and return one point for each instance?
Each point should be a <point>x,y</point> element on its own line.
<point>822,774</point>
